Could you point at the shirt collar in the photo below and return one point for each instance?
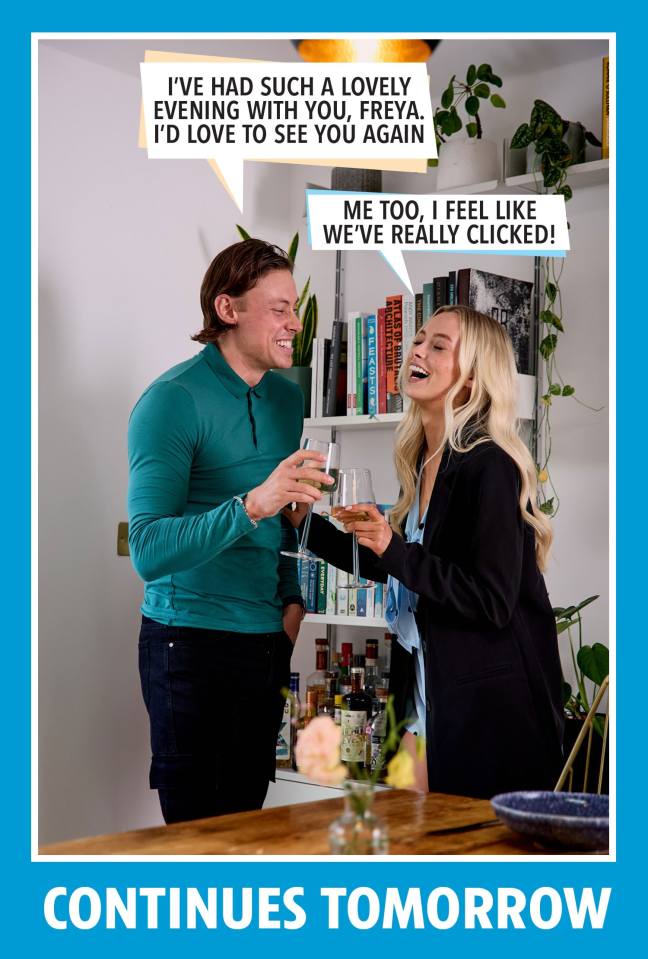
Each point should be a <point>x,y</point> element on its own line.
<point>229,378</point>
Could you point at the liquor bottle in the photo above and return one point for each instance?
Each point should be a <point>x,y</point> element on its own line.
<point>356,713</point>
<point>378,732</point>
<point>312,696</point>
<point>316,682</point>
<point>288,729</point>
<point>338,709</point>
<point>371,676</point>
<point>359,663</point>
<point>386,664</point>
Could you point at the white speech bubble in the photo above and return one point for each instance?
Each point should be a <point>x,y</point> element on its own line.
<point>441,223</point>
<point>230,112</point>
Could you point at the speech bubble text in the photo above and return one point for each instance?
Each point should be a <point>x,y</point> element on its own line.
<point>392,223</point>
<point>228,112</point>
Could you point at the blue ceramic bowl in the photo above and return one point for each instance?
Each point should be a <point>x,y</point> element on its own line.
<point>577,820</point>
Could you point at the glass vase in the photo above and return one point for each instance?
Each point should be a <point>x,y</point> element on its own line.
<point>358,832</point>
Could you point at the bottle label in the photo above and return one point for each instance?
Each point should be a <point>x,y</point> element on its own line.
<point>283,739</point>
<point>354,737</point>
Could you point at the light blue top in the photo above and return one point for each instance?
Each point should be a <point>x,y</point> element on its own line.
<point>399,613</point>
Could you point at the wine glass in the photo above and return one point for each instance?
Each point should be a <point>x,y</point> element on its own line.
<point>331,466</point>
<point>353,487</point>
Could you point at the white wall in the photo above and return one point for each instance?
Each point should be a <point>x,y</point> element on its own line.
<point>123,245</point>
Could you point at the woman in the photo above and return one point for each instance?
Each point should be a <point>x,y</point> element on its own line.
<point>476,667</point>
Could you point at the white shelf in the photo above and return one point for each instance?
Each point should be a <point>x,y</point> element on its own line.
<point>381,421</point>
<point>580,174</point>
<point>368,622</point>
<point>526,407</point>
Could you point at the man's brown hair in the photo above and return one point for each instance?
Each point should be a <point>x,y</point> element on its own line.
<point>234,271</point>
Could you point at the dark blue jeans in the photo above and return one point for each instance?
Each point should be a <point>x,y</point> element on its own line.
<point>215,706</point>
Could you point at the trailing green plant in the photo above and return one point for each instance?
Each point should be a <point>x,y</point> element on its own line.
<point>469,94</point>
<point>306,310</point>
<point>591,663</point>
<point>545,130</point>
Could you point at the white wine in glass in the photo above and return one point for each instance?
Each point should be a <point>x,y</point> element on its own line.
<point>331,466</point>
<point>354,487</point>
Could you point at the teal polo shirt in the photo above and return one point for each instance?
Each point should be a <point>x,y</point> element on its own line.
<point>198,437</point>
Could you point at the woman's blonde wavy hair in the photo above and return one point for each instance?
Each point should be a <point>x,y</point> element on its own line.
<point>486,356</point>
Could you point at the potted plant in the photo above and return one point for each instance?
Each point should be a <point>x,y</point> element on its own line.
<point>591,666</point>
<point>473,159</point>
<point>552,145</point>
<point>300,372</point>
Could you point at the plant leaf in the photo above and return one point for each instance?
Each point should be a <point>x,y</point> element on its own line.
<point>292,249</point>
<point>554,389</point>
<point>471,75</point>
<point>482,90</point>
<point>447,96</point>
<point>565,191</point>
<point>551,319</point>
<point>547,507</point>
<point>472,106</point>
<point>522,137</point>
<point>484,71</point>
<point>561,627</point>
<point>497,101</point>
<point>495,80</point>
<point>568,391</point>
<point>589,136</point>
<point>548,345</point>
<point>471,129</point>
<point>243,233</point>
<point>302,296</point>
<point>594,662</point>
<point>551,291</point>
<point>567,691</point>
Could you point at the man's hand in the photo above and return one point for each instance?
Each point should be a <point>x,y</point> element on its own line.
<point>283,486</point>
<point>292,618</point>
<point>375,533</point>
<point>295,516</point>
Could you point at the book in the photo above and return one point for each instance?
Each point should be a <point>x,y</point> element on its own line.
<point>333,370</point>
<point>302,568</point>
<point>605,110</point>
<point>440,291</point>
<point>361,362</point>
<point>394,399</point>
<point>372,365</point>
<point>321,585</point>
<point>382,362</point>
<point>351,365</point>
<point>311,597</point>
<point>418,311</point>
<point>428,301</point>
<point>505,299</point>
<point>452,288</point>
<point>361,602</point>
<point>378,591</point>
<point>342,602</point>
<point>390,359</point>
<point>409,332</point>
<point>320,347</point>
<point>352,609</point>
<point>331,590</point>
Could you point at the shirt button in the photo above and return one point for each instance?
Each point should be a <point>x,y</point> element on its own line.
<point>170,645</point>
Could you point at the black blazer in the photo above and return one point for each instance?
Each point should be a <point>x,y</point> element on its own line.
<point>493,676</point>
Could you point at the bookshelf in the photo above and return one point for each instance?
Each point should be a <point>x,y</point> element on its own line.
<point>371,622</point>
<point>594,173</point>
<point>526,411</point>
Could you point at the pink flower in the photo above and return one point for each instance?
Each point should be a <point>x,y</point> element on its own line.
<point>318,752</point>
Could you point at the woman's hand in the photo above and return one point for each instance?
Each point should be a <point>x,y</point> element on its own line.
<point>375,533</point>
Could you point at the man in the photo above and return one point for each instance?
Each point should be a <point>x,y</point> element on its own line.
<point>213,454</point>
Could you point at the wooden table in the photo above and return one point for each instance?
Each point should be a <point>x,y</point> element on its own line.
<point>432,824</point>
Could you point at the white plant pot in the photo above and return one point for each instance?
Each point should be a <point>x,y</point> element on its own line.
<point>467,161</point>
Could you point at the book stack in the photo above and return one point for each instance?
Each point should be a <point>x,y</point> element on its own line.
<point>356,370</point>
<point>325,590</point>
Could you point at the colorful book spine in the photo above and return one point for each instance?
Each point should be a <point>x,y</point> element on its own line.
<point>331,590</point>
<point>418,311</point>
<point>372,366</point>
<point>359,363</point>
<point>352,602</point>
<point>311,601</point>
<point>452,288</point>
<point>321,585</point>
<point>428,301</point>
<point>378,592</point>
<point>342,601</point>
<point>371,602</point>
<point>333,372</point>
<point>382,360</point>
<point>361,602</point>
<point>393,394</point>
<point>302,566</point>
<point>390,362</point>
<point>440,291</point>
<point>409,332</point>
<point>351,368</point>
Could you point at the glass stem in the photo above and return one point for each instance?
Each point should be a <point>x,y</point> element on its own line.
<point>356,562</point>
<point>306,530</point>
